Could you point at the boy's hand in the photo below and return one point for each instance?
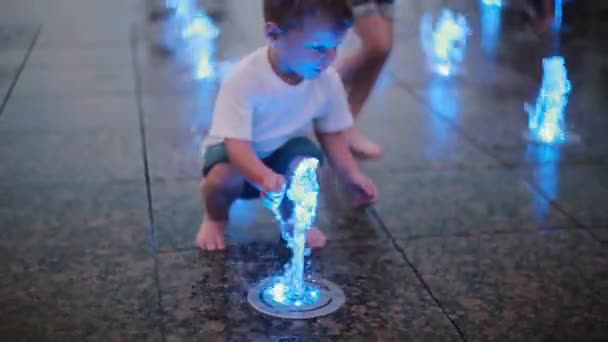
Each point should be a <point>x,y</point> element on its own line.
<point>272,182</point>
<point>363,189</point>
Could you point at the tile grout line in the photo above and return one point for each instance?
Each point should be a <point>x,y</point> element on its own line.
<point>374,215</point>
<point>502,164</point>
<point>20,69</point>
<point>142,131</point>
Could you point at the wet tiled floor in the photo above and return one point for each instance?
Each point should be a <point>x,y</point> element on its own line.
<point>478,236</point>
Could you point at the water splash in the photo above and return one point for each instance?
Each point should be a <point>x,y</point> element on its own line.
<point>291,288</point>
<point>546,119</point>
<point>444,43</point>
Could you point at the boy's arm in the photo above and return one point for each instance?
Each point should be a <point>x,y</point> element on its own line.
<point>338,152</point>
<point>244,159</point>
<point>336,147</point>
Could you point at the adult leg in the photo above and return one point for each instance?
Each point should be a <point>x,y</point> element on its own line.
<point>360,69</point>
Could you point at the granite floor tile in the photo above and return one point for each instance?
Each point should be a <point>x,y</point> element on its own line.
<point>8,70</point>
<point>168,76</point>
<point>534,286</point>
<point>600,233</point>
<point>495,119</point>
<point>461,202</point>
<point>45,57</point>
<point>413,138</point>
<point>69,219</point>
<point>16,36</point>
<point>176,73</point>
<point>180,112</point>
<point>83,156</point>
<point>412,68</point>
<point>246,24</point>
<point>93,30</point>
<point>175,129</point>
<point>76,263</point>
<point>178,213</point>
<point>78,298</point>
<point>10,59</point>
<point>66,114</point>
<point>76,81</point>
<point>14,42</point>
<point>204,296</point>
<point>580,190</point>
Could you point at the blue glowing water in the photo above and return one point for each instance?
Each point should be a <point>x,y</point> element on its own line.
<point>497,3</point>
<point>291,287</point>
<point>201,26</point>
<point>546,119</point>
<point>491,18</point>
<point>557,17</point>
<point>445,43</point>
<point>546,176</point>
<point>199,33</point>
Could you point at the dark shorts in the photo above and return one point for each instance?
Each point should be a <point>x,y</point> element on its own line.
<point>385,8</point>
<point>278,161</point>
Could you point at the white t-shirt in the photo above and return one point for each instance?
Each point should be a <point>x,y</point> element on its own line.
<point>254,104</point>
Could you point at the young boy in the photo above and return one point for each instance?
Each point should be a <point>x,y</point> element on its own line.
<point>266,107</point>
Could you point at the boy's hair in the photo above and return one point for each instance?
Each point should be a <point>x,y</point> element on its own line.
<point>288,14</point>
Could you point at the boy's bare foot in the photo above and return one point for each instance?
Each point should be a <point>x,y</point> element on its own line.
<point>210,236</point>
<point>315,238</point>
<point>361,146</point>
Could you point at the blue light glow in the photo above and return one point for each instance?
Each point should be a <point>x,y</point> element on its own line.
<point>444,44</point>
<point>202,54</point>
<point>201,26</point>
<point>546,176</point>
<point>279,293</point>
<point>496,3</point>
<point>491,18</point>
<point>185,9</point>
<point>290,288</point>
<point>557,17</point>
<point>199,33</point>
<point>546,119</point>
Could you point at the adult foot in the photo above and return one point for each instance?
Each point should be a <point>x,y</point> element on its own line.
<point>210,236</point>
<point>363,147</point>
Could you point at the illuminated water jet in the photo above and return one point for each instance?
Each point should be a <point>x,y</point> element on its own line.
<point>444,43</point>
<point>290,295</point>
<point>547,118</point>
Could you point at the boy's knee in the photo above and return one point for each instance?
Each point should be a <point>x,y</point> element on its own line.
<point>225,178</point>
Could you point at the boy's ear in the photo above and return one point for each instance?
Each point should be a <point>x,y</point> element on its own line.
<point>272,31</point>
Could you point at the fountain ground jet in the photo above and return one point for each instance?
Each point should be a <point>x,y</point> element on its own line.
<point>292,295</point>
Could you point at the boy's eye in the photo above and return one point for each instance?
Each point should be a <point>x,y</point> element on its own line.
<point>319,48</point>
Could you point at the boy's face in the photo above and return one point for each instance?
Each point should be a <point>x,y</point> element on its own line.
<point>308,49</point>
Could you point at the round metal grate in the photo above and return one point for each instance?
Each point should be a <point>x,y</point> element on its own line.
<point>329,299</point>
